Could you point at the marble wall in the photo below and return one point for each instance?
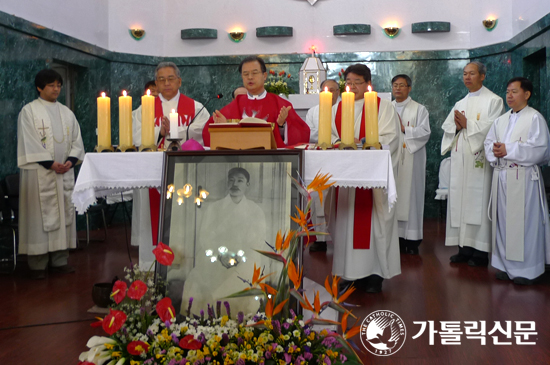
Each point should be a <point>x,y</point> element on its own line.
<point>436,75</point>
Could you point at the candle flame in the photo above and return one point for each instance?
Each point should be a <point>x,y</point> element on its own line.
<point>326,88</point>
<point>347,89</point>
<point>370,89</point>
<point>148,92</point>
<point>102,95</point>
<point>173,110</point>
<point>124,92</point>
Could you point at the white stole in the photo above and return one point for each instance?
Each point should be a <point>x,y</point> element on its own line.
<point>406,165</point>
<point>515,187</point>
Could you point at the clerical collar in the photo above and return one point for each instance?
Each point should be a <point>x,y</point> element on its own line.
<point>404,102</point>
<point>46,101</point>
<point>164,100</point>
<point>476,93</point>
<point>519,111</point>
<point>257,97</point>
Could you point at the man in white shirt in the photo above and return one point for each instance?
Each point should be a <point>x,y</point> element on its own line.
<point>312,117</point>
<point>411,182</point>
<point>465,130</point>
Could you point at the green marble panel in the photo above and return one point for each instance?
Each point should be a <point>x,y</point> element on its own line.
<point>431,27</point>
<point>351,29</point>
<point>273,32</point>
<point>199,33</point>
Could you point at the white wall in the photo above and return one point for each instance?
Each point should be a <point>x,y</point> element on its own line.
<point>106,23</point>
<point>86,20</point>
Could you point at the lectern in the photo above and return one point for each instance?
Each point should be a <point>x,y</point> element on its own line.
<point>239,137</point>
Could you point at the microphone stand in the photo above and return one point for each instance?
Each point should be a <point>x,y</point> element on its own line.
<point>219,96</point>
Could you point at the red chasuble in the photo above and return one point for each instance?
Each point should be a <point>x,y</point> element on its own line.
<point>267,109</point>
<point>363,197</point>
<point>186,110</point>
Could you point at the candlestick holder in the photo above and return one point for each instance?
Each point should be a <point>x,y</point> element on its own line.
<point>175,144</point>
<point>104,149</point>
<point>126,148</point>
<point>377,146</point>
<point>324,146</point>
<point>343,146</point>
<point>149,148</point>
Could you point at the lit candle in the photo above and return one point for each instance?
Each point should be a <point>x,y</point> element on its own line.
<point>348,117</point>
<point>325,116</point>
<point>371,117</point>
<point>174,117</point>
<point>103,121</point>
<point>148,119</point>
<point>125,120</point>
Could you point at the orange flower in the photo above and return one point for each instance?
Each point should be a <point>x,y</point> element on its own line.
<point>282,73</point>
<point>256,279</point>
<point>283,242</point>
<point>288,76</point>
<point>352,331</point>
<point>294,276</point>
<point>315,308</point>
<point>333,290</point>
<point>320,183</point>
<point>301,219</point>
<point>270,311</point>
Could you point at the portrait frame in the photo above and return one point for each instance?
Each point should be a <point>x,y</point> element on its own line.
<point>190,227</point>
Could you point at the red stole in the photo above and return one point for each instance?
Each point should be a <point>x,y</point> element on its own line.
<point>186,107</point>
<point>363,197</point>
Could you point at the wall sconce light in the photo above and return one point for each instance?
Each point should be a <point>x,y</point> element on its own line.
<point>490,24</point>
<point>137,34</point>
<point>237,36</point>
<point>391,31</point>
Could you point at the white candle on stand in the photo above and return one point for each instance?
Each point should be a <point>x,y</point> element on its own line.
<point>174,117</point>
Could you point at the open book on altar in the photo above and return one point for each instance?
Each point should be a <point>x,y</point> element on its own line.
<point>246,122</point>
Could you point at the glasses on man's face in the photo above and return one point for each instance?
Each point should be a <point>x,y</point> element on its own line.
<point>400,86</point>
<point>354,83</point>
<point>253,73</point>
<point>170,79</point>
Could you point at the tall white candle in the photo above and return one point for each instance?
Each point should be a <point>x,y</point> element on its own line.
<point>174,117</point>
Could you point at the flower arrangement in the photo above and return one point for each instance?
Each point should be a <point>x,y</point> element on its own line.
<point>276,83</point>
<point>143,329</point>
<point>341,81</point>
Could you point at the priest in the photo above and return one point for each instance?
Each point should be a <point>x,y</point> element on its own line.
<point>168,82</point>
<point>369,252</point>
<point>516,145</point>
<point>49,145</point>
<point>288,128</point>
<point>464,132</point>
<point>415,133</point>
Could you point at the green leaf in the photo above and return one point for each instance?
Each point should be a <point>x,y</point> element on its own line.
<point>298,296</point>
<point>247,293</point>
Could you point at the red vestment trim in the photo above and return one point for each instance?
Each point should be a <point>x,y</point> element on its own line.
<point>363,197</point>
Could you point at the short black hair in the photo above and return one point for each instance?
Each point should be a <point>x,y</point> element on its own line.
<point>45,77</point>
<point>402,76</point>
<point>253,59</point>
<point>359,69</point>
<point>239,170</point>
<point>149,84</point>
<point>525,84</point>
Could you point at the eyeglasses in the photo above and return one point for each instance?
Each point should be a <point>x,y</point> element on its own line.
<point>170,79</point>
<point>399,86</point>
<point>253,73</point>
<point>351,83</point>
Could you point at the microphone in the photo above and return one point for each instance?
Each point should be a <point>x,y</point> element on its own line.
<point>219,96</point>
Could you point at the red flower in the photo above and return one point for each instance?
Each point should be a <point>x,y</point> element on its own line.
<point>85,363</point>
<point>288,76</point>
<point>99,323</point>
<point>137,348</point>
<point>164,254</point>
<point>119,291</point>
<point>340,74</point>
<point>165,309</point>
<point>342,70</point>
<point>113,321</point>
<point>137,290</point>
<point>189,343</point>
<point>281,73</point>
<point>271,72</point>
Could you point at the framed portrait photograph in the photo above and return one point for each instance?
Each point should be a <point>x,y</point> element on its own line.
<point>219,207</point>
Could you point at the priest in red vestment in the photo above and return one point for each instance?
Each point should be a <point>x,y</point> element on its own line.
<point>361,223</point>
<point>288,128</point>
